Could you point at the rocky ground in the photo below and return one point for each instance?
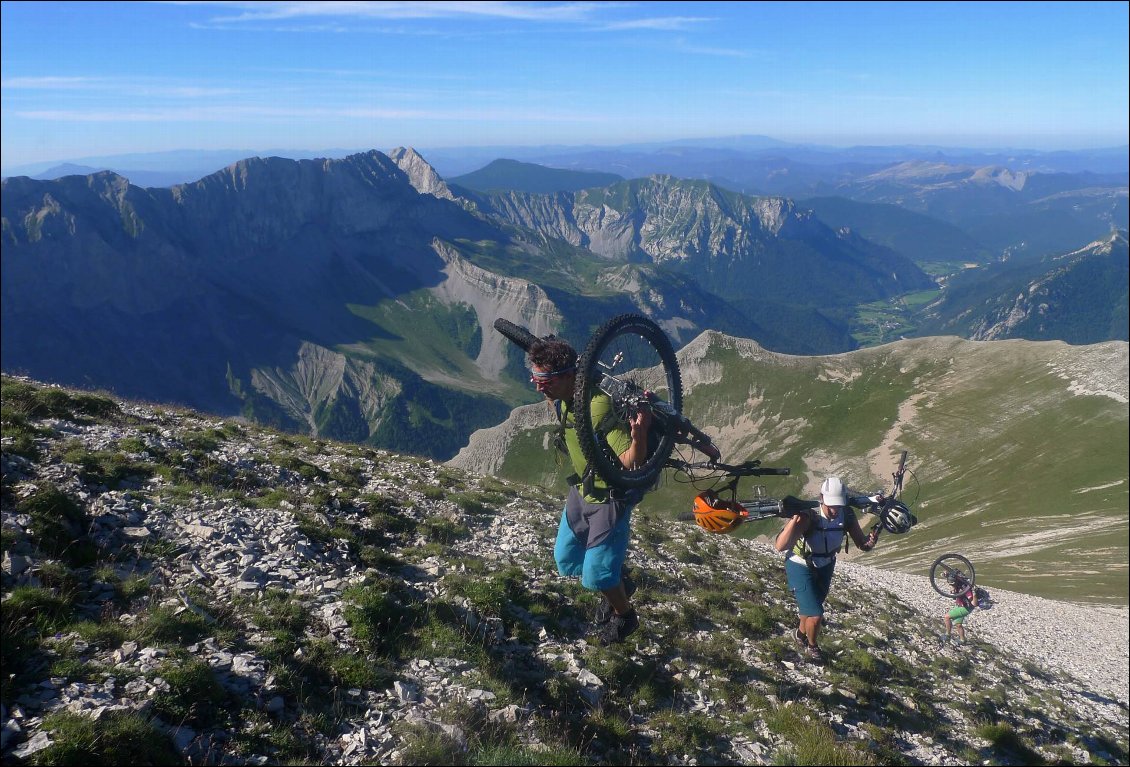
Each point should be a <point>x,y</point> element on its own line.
<point>259,598</point>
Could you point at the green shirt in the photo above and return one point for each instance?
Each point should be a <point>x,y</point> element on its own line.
<point>618,436</point>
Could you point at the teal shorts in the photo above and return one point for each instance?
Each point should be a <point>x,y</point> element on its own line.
<point>604,525</point>
<point>810,586</point>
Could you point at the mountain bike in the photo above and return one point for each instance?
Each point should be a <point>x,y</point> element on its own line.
<point>716,514</point>
<point>630,359</point>
<point>952,575</point>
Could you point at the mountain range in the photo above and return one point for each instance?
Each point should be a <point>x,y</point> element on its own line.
<point>348,298</point>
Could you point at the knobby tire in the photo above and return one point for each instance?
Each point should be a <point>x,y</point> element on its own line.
<point>946,564</point>
<point>648,362</point>
<point>516,333</point>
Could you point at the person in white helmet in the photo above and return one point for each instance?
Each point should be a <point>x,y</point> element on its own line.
<point>811,540</point>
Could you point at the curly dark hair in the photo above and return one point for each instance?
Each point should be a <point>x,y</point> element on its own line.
<point>552,354</point>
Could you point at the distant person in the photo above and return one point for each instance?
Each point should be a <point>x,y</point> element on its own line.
<point>963,606</point>
<point>592,538</point>
<point>812,538</point>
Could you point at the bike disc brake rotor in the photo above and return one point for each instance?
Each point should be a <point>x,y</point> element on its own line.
<point>627,356</point>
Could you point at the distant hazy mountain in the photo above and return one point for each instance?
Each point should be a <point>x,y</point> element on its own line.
<point>923,239</point>
<point>1046,419</point>
<point>1022,213</point>
<point>144,178</point>
<point>1079,297</point>
<point>511,175</point>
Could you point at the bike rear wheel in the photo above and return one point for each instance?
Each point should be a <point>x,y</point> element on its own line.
<point>950,570</point>
<point>625,357</point>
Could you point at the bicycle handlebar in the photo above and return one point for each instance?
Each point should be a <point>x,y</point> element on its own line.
<point>746,469</point>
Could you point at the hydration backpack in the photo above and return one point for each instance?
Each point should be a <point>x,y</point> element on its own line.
<point>984,601</point>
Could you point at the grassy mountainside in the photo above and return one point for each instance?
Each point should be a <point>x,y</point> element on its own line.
<point>181,589</point>
<point>1018,449</point>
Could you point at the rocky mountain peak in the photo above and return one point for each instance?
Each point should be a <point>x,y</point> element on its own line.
<point>422,175</point>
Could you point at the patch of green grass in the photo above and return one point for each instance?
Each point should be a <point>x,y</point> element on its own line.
<point>525,756</point>
<point>51,402</point>
<point>194,696</point>
<point>1008,745</point>
<point>280,611</point>
<point>380,614</point>
<point>58,524</point>
<point>117,738</point>
<point>443,531</point>
<point>346,669</point>
<point>811,740</point>
<point>425,745</point>
<point>162,625</point>
<point>681,732</point>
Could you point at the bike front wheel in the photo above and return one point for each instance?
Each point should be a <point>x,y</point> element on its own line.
<point>952,575</point>
<point>625,357</point>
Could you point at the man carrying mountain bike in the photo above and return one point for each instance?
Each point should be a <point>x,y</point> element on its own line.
<point>592,539</point>
<point>812,539</point>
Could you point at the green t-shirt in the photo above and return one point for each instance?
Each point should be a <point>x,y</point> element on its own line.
<point>618,436</point>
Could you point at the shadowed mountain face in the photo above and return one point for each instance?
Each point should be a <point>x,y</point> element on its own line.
<point>1079,297</point>
<point>163,292</point>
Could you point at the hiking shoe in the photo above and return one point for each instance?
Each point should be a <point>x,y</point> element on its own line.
<point>801,639</point>
<point>618,628</point>
<point>814,654</point>
<point>604,610</point>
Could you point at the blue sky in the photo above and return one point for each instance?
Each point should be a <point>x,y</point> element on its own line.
<point>92,79</point>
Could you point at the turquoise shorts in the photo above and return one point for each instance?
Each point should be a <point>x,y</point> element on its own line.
<point>599,566</point>
<point>810,586</point>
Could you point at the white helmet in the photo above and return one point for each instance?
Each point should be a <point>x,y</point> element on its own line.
<point>897,518</point>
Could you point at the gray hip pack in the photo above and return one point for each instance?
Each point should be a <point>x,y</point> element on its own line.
<point>592,523</point>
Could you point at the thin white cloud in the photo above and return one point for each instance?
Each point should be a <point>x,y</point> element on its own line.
<point>666,23</point>
<point>703,50</point>
<point>49,83</point>
<point>274,11</point>
<point>135,87</point>
<point>244,113</point>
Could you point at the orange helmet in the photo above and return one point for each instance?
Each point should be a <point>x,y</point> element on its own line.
<point>715,515</point>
